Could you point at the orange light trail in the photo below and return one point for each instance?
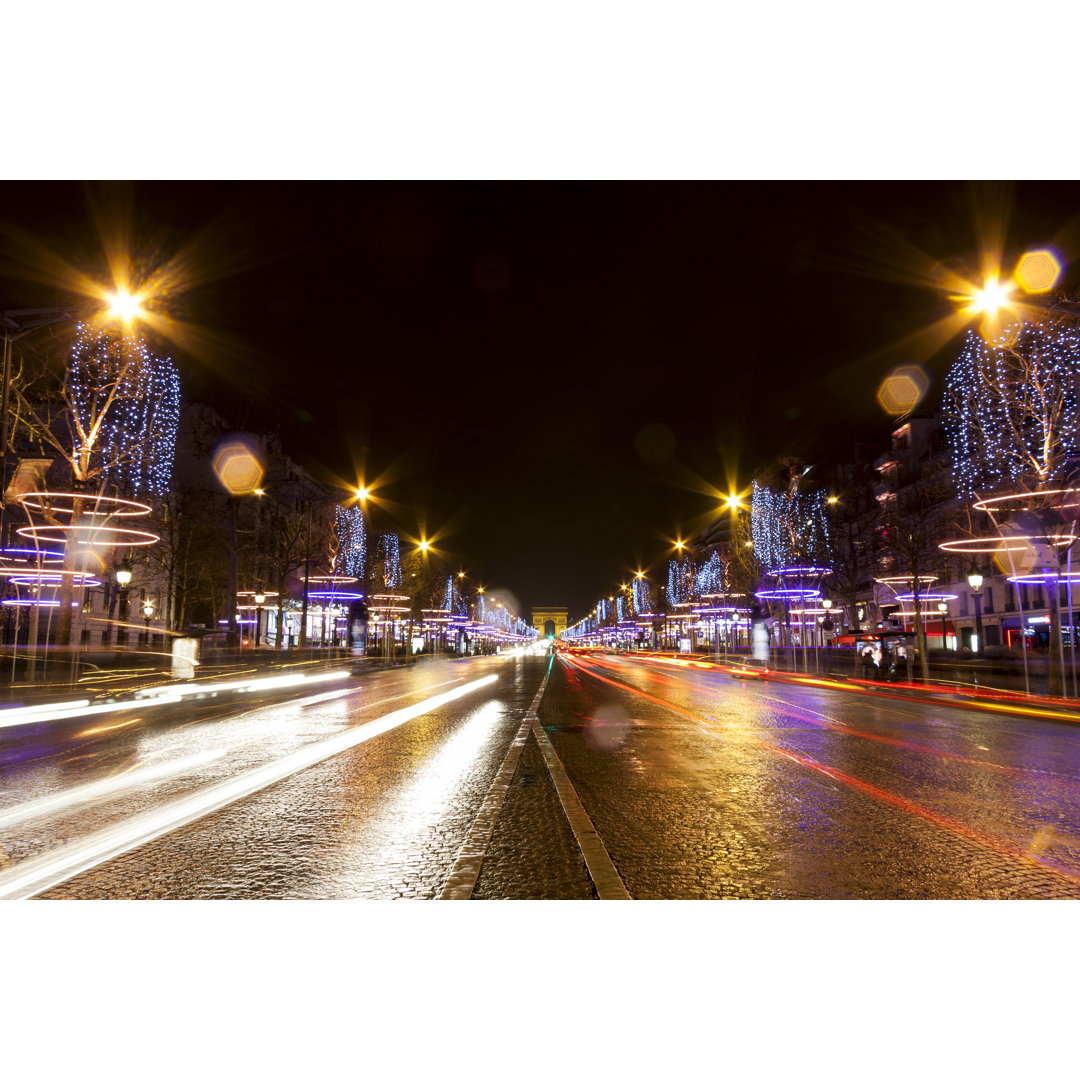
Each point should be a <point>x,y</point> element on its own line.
<point>823,722</point>
<point>109,727</point>
<point>977,699</point>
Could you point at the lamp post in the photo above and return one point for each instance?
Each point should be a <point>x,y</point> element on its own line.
<point>975,580</point>
<point>942,608</point>
<point>148,611</point>
<point>260,599</point>
<point>123,579</point>
<point>827,624</point>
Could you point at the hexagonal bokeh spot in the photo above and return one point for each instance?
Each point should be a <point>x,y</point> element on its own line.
<point>1038,271</point>
<point>1021,558</point>
<point>237,465</point>
<point>904,387</point>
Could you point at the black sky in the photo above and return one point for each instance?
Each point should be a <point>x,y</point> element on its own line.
<point>513,356</point>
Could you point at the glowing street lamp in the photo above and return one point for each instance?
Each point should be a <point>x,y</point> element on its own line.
<point>260,599</point>
<point>123,579</point>
<point>942,607</point>
<point>975,580</point>
<point>991,298</point>
<point>125,306</point>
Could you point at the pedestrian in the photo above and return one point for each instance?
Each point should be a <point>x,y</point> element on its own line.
<point>868,663</point>
<point>891,656</point>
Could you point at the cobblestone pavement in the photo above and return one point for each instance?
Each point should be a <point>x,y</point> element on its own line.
<point>693,784</point>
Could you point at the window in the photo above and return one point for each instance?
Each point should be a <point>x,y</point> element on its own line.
<point>988,599</point>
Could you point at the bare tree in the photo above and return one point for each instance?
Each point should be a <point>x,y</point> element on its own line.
<point>107,412</point>
<point>1011,413</point>
<point>917,509</point>
<point>855,528</point>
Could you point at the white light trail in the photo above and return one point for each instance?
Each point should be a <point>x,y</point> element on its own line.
<point>157,695</point>
<point>40,714</point>
<point>41,872</point>
<point>50,804</point>
<point>270,682</point>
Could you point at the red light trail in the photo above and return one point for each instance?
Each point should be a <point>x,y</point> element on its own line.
<point>939,820</point>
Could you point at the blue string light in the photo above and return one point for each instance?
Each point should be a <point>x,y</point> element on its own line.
<point>126,403</point>
<point>388,562</point>
<point>1011,410</point>
<point>642,597</point>
<point>789,526</point>
<point>712,576</point>
<point>351,533</point>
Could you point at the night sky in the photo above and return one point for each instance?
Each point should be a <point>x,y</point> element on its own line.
<point>553,380</point>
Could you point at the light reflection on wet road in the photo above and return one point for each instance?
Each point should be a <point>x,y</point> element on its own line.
<point>699,786</point>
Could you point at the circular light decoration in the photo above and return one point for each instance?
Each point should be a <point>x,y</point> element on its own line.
<point>787,594</point>
<point>332,579</point>
<point>124,537</point>
<point>47,578</point>
<point>30,603</point>
<point>253,593</point>
<point>330,594</point>
<point>388,604</point>
<point>994,545</point>
<point>798,571</point>
<point>906,579</point>
<point>27,555</point>
<point>1044,579</point>
<point>1001,502</point>
<point>35,500</point>
<point>909,598</point>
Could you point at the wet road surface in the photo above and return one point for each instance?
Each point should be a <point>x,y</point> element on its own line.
<point>565,778</point>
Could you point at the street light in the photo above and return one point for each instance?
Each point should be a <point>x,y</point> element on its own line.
<point>260,599</point>
<point>943,607</point>
<point>148,611</point>
<point>975,580</point>
<point>125,306</point>
<point>123,579</point>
